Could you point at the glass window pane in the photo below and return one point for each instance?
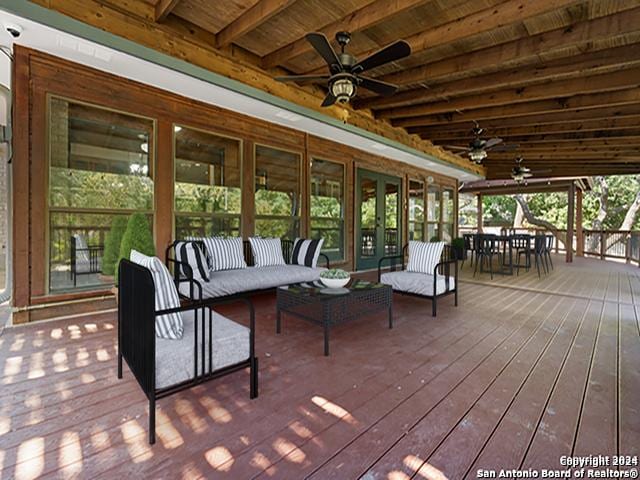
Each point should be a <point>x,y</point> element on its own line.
<point>327,206</point>
<point>447,228</point>
<point>391,220</point>
<point>99,159</point>
<point>100,168</point>
<point>207,187</point>
<point>447,204</point>
<point>432,232</point>
<point>368,221</point>
<point>416,210</point>
<point>433,203</point>
<point>277,197</point>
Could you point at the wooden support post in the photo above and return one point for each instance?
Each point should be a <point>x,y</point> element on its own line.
<point>480,213</point>
<point>579,232</point>
<point>570,222</point>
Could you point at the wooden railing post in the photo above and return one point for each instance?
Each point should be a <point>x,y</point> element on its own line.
<point>627,248</point>
<point>603,245</point>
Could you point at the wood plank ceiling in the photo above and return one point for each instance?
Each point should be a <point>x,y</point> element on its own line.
<point>559,78</point>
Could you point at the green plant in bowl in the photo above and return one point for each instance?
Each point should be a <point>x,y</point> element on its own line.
<point>335,278</point>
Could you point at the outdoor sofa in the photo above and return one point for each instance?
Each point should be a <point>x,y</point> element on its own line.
<point>432,272</point>
<point>166,359</point>
<point>245,277</point>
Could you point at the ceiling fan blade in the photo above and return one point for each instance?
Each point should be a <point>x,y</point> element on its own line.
<point>492,142</point>
<point>377,86</point>
<point>329,100</point>
<point>320,42</point>
<point>455,147</point>
<point>505,147</point>
<point>390,53</point>
<point>303,78</point>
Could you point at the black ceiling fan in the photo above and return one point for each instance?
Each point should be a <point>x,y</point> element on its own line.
<point>478,147</point>
<point>344,69</point>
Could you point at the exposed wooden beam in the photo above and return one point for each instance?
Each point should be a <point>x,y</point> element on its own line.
<point>250,19</point>
<point>159,37</point>
<point>630,122</point>
<point>506,13</point>
<point>571,115</point>
<point>577,102</point>
<point>365,17</point>
<point>611,135</point>
<point>594,63</point>
<point>598,83</point>
<point>568,171</point>
<point>164,8</point>
<point>588,36</point>
<point>549,155</point>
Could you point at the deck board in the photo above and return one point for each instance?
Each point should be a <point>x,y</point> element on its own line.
<point>524,370</point>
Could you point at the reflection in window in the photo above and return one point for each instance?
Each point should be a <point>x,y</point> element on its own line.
<point>416,210</point>
<point>433,212</point>
<point>327,206</point>
<point>391,223</point>
<point>368,212</point>
<point>277,197</point>
<point>447,214</point>
<point>207,184</point>
<point>100,166</point>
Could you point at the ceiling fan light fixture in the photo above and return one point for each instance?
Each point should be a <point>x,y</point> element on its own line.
<point>477,156</point>
<point>343,89</point>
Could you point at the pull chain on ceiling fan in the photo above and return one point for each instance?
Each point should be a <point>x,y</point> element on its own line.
<point>344,76</point>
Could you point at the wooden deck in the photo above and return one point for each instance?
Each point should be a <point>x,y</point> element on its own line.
<point>512,378</point>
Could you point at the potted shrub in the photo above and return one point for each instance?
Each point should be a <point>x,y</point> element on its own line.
<point>457,249</point>
<point>138,237</point>
<point>435,238</point>
<point>112,247</point>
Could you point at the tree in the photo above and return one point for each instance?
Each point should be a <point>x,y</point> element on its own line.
<point>112,244</point>
<point>137,237</point>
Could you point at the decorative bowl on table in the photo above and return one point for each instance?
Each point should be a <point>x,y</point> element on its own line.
<point>335,278</point>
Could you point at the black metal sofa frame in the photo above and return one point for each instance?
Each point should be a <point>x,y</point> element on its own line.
<point>173,264</point>
<point>443,268</point>
<point>137,337</point>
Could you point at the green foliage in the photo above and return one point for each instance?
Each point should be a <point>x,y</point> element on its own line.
<point>112,244</point>
<point>457,243</point>
<point>435,238</point>
<point>138,237</point>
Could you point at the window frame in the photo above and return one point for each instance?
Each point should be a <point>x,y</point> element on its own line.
<point>342,258</point>
<point>204,215</point>
<point>424,206</point>
<point>48,210</point>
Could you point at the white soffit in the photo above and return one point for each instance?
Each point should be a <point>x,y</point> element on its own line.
<point>67,46</point>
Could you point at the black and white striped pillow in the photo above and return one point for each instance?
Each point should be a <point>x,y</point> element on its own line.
<point>306,252</point>
<point>266,251</point>
<point>223,253</point>
<point>168,326</point>
<point>424,256</point>
<point>191,253</point>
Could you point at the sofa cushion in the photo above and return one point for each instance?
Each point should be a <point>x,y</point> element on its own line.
<point>306,252</point>
<point>225,283</point>
<point>190,252</point>
<point>223,253</point>
<point>175,359</point>
<point>419,283</point>
<point>168,326</point>
<point>266,251</point>
<point>424,256</point>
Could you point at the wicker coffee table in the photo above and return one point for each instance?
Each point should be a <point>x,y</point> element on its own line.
<point>327,306</point>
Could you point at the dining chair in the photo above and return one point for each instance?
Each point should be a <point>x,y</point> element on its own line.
<point>521,245</point>
<point>485,251</point>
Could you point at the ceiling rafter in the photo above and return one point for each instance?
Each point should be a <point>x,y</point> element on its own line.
<point>164,8</point>
<point>575,102</point>
<point>506,13</point>
<point>594,63</point>
<point>577,86</point>
<point>250,19</point>
<point>367,16</point>
<point>584,35</point>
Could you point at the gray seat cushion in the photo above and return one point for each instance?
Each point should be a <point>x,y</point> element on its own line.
<point>175,359</point>
<point>418,283</point>
<point>228,282</point>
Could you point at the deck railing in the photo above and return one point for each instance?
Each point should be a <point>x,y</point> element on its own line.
<point>605,244</point>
